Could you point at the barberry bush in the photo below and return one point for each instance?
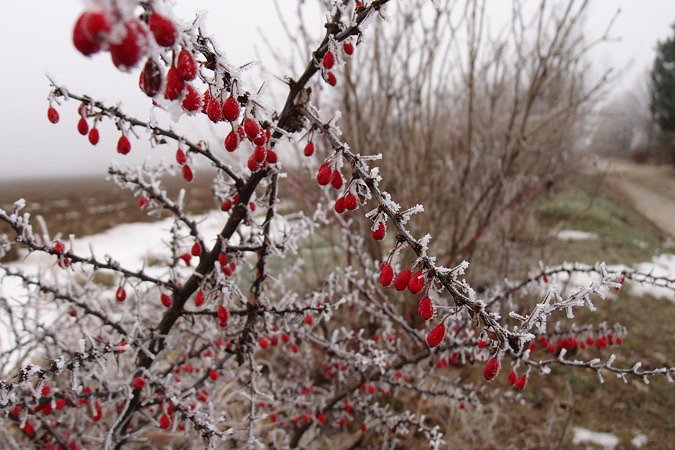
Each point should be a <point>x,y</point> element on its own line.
<point>226,340</point>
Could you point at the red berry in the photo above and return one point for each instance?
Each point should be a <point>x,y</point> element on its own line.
<point>272,157</point>
<point>324,174</point>
<point>520,383</point>
<point>82,126</point>
<point>231,109</point>
<point>214,110</point>
<point>213,374</point>
<point>252,164</point>
<point>162,29</point>
<point>174,84</point>
<point>386,274</point>
<point>309,319</point>
<point>128,51</point>
<point>187,173</point>
<point>191,100</point>
<point>328,60</point>
<point>491,369</point>
<point>231,141</point>
<point>166,300</point>
<point>165,422</point>
<point>340,205</point>
<point>348,48</point>
<point>53,115</point>
<point>402,279</point>
<point>259,154</point>
<point>263,342</point>
<point>379,232</point>
<point>223,314</point>
<point>285,338</point>
<point>186,257</point>
<point>199,298</point>
<point>90,30</point>
<point>251,128</point>
<point>120,294</point>
<point>436,335</point>
<point>150,79</point>
<point>123,145</point>
<point>336,179</point>
<point>59,247</point>
<point>416,282</point>
<point>350,202</point>
<point>143,202</point>
<point>251,206</point>
<point>309,149</point>
<point>138,383</point>
<point>294,348</point>
<point>330,79</point>
<point>181,157</point>
<point>93,136</point>
<point>187,69</point>
<point>425,309</point>
<point>226,205</point>
<point>512,377</point>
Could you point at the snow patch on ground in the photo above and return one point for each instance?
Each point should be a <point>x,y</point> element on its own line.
<point>575,235</point>
<point>607,441</point>
<point>640,440</point>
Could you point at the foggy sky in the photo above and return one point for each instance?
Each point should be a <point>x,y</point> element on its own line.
<point>36,40</point>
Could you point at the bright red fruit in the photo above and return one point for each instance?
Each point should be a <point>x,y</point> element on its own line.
<point>165,422</point>
<point>350,202</point>
<point>120,294</point>
<point>259,154</point>
<point>402,279</point>
<point>150,79</point>
<point>309,319</point>
<point>330,79</point>
<point>386,274</point>
<point>128,51</point>
<point>436,335</point>
<point>90,30</point>
<point>251,128</point>
<point>491,369</point>
<point>226,206</point>
<point>328,60</point>
<point>231,109</point>
<point>425,309</point>
<point>196,249</point>
<point>336,179</point>
<point>138,383</point>
<point>512,377</point>
<point>272,157</point>
<point>231,141</point>
<point>143,202</point>
<point>59,247</point>
<point>309,149</point>
<point>213,109</point>
<point>348,48</point>
<point>162,29</point>
<point>82,126</point>
<point>416,282</point>
<point>520,383</point>
<point>181,157</point>
<point>340,205</point>
<point>199,298</point>
<point>174,84</point>
<point>379,232</point>
<point>53,115</point>
<point>123,145</point>
<point>93,136</point>
<point>191,100</point>
<point>166,300</point>
<point>223,314</point>
<point>185,64</point>
<point>263,342</point>
<point>187,173</point>
<point>324,174</point>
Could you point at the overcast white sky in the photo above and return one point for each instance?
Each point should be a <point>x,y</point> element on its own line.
<point>36,39</point>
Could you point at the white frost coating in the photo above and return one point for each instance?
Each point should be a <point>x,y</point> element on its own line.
<point>575,235</point>
<point>639,440</point>
<point>607,441</point>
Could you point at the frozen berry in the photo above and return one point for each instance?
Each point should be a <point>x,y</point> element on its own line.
<point>82,126</point>
<point>174,84</point>
<point>162,29</point>
<point>425,309</point>
<point>123,145</point>
<point>93,136</point>
<point>386,274</point>
<point>491,369</point>
<point>416,282</point>
<point>185,65</point>
<point>379,232</point>
<point>402,279</point>
<point>53,115</point>
<point>191,100</point>
<point>436,335</point>
<point>231,109</point>
<point>128,51</point>
<point>150,79</point>
<point>231,141</point>
<point>328,60</point>
<point>309,149</point>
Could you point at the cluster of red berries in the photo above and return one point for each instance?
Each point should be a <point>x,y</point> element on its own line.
<point>574,343</point>
<point>328,62</point>
<point>266,341</point>
<point>517,381</point>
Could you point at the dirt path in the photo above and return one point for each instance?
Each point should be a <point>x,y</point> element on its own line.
<point>649,189</point>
